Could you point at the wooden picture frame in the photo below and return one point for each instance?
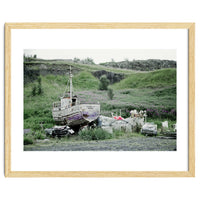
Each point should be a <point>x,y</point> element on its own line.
<point>191,93</point>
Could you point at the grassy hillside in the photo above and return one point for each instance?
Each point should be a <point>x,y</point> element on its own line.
<point>155,79</point>
<point>64,66</point>
<point>85,80</point>
<point>37,109</point>
<point>142,65</point>
<point>154,91</point>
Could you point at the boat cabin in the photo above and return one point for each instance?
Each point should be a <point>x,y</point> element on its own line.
<point>66,102</point>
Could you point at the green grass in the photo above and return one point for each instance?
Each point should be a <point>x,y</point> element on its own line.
<point>95,134</point>
<point>90,68</point>
<point>144,90</point>
<point>38,109</point>
<point>28,140</point>
<point>160,99</point>
<point>85,80</point>
<point>155,79</point>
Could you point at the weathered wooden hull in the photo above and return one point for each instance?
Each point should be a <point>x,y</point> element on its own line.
<point>77,115</point>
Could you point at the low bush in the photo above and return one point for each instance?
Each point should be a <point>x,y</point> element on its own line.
<point>95,134</point>
<point>28,140</point>
<point>104,82</point>
<point>110,93</point>
<point>161,113</point>
<point>39,136</point>
<point>118,133</point>
<point>34,90</point>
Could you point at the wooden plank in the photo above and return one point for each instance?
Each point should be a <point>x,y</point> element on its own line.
<point>7,100</point>
<point>191,112</point>
<point>99,25</point>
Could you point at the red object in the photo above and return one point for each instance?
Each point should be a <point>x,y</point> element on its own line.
<point>118,118</point>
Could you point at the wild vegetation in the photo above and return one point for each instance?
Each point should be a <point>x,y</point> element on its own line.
<point>95,134</point>
<point>142,65</point>
<point>154,91</point>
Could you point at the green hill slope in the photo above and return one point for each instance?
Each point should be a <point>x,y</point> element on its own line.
<point>85,80</point>
<point>155,79</point>
<point>142,65</point>
<point>139,90</point>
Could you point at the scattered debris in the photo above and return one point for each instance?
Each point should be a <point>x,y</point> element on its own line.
<point>136,122</point>
<point>165,124</point>
<point>119,123</point>
<point>108,129</point>
<point>168,135</point>
<point>174,126</point>
<point>149,129</point>
<point>134,113</point>
<point>59,131</point>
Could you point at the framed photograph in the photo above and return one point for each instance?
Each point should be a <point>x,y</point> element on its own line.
<point>99,99</point>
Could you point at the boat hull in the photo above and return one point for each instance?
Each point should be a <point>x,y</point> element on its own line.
<point>77,115</point>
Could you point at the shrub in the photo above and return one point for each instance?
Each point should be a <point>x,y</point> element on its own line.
<point>27,140</point>
<point>118,133</point>
<point>34,88</point>
<point>39,136</point>
<point>39,86</point>
<point>104,82</point>
<point>35,126</point>
<point>110,93</point>
<point>95,134</point>
<point>37,90</point>
<point>161,113</point>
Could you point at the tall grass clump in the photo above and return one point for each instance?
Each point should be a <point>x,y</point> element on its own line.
<point>37,89</point>
<point>28,140</point>
<point>39,135</point>
<point>94,134</point>
<point>39,86</point>
<point>110,93</point>
<point>34,89</point>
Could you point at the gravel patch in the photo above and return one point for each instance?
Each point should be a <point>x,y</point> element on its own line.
<point>125,144</point>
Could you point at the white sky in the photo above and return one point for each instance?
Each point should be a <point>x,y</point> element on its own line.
<point>104,55</point>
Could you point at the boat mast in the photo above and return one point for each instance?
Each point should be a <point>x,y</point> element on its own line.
<point>70,85</point>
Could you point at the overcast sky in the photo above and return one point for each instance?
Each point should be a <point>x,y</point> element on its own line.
<point>104,55</point>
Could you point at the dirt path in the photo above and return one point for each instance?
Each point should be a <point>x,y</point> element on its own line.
<point>125,144</point>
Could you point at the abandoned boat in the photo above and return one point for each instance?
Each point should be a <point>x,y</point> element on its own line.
<point>69,111</point>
